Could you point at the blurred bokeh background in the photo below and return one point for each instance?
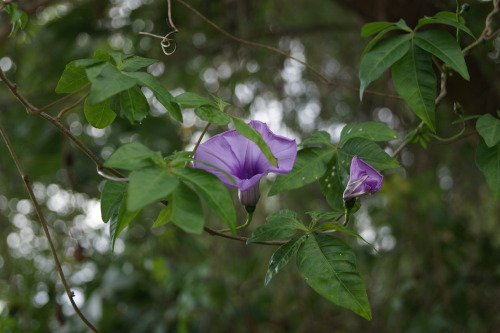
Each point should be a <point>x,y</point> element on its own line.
<point>434,222</point>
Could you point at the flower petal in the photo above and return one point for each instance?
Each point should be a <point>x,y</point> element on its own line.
<point>242,158</point>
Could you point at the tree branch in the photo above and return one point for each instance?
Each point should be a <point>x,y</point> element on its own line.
<point>43,223</point>
<point>275,50</point>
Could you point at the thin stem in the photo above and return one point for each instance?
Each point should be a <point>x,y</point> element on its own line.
<point>62,99</point>
<point>13,88</point>
<point>240,238</point>
<point>487,31</point>
<point>101,172</point>
<point>408,140</point>
<point>71,107</point>
<point>243,226</point>
<point>347,215</point>
<point>43,222</point>
<point>199,141</point>
<point>201,137</point>
<point>275,50</point>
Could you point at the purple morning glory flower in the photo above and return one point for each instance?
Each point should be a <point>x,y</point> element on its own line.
<point>241,158</point>
<point>363,179</point>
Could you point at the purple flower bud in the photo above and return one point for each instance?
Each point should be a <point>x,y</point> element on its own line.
<point>363,179</point>
<point>241,158</point>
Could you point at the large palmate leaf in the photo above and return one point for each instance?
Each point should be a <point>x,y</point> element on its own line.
<point>212,114</point>
<point>415,80</point>
<point>149,185</point>
<point>159,91</point>
<point>72,79</point>
<point>281,225</point>
<point>318,137</point>
<point>133,63</point>
<point>99,115</point>
<point>445,18</point>
<point>368,151</point>
<point>210,189</point>
<point>369,130</point>
<point>328,265</point>
<point>380,58</point>
<point>488,161</point>
<point>441,44</point>
<point>282,256</point>
<point>333,183</point>
<point>111,198</point>
<point>184,210</point>
<point>120,221</point>
<point>309,166</point>
<point>132,104</point>
<point>131,156</point>
<point>191,100</point>
<point>107,81</point>
<point>489,128</point>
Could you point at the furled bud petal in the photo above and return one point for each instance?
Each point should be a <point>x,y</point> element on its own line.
<point>363,179</point>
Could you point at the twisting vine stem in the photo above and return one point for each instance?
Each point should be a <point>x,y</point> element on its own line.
<point>45,228</point>
<point>166,41</point>
<point>278,51</point>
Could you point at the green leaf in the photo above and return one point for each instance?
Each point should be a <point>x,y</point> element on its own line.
<point>442,20</point>
<point>489,128</point>
<point>212,190</point>
<point>449,15</point>
<point>132,104</point>
<point>332,184</point>
<point>164,217</point>
<point>369,130</point>
<point>441,44</point>
<point>251,134</point>
<point>328,265</point>
<point>281,225</point>
<point>159,91</point>
<point>107,81</point>
<point>374,27</point>
<point>415,80</point>
<point>149,185</point>
<point>368,151</point>
<point>18,18</point>
<point>72,79</point>
<point>282,256</point>
<point>111,197</point>
<point>186,211</point>
<point>488,161</point>
<point>134,63</point>
<point>191,100</point>
<point>99,115</point>
<point>121,221</point>
<point>87,63</point>
<point>309,166</point>
<point>340,227</point>
<point>319,137</point>
<point>376,61</point>
<point>212,114</point>
<point>375,39</point>
<point>131,156</point>
<point>322,216</point>
<point>104,56</point>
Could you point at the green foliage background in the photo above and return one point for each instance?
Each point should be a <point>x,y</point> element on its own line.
<point>434,221</point>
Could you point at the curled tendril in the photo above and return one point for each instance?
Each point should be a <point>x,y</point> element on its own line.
<point>168,45</point>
